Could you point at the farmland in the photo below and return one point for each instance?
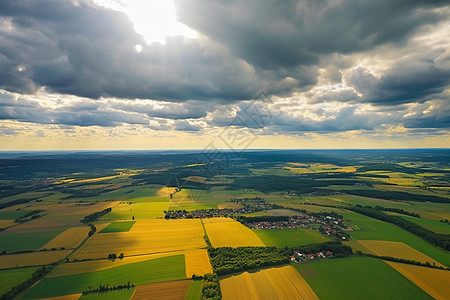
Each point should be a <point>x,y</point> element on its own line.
<point>434,282</point>
<point>164,269</point>
<point>273,283</point>
<point>290,237</point>
<point>146,237</point>
<point>226,232</point>
<point>348,278</point>
<point>163,290</point>
<point>225,227</point>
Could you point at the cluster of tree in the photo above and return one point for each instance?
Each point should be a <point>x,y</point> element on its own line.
<point>398,210</point>
<point>383,166</point>
<point>228,260</point>
<point>74,193</point>
<point>396,195</point>
<point>402,260</point>
<point>93,217</point>
<point>17,289</point>
<point>211,287</point>
<point>338,249</point>
<point>16,202</point>
<point>114,256</point>
<point>33,214</point>
<point>93,230</point>
<point>444,221</point>
<point>106,288</point>
<point>440,240</point>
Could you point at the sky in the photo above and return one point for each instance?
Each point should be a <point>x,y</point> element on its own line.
<point>225,74</point>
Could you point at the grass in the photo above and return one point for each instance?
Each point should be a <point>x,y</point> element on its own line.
<point>118,227</point>
<point>435,226</point>
<point>26,241</point>
<point>290,237</point>
<point>155,270</point>
<point>192,207</point>
<point>146,210</point>
<point>13,214</point>
<point>350,278</point>
<point>372,229</point>
<point>10,278</point>
<point>113,295</point>
<point>195,290</point>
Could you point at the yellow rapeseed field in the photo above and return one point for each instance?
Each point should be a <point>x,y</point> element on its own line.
<point>68,239</point>
<point>6,223</point>
<point>229,205</point>
<point>197,262</point>
<point>397,249</point>
<point>274,283</point>
<point>433,281</point>
<point>31,259</point>
<point>147,236</point>
<point>226,232</point>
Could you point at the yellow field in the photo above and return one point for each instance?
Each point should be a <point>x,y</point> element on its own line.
<point>195,178</point>
<point>68,239</point>
<point>146,237</point>
<point>229,205</point>
<point>197,262</point>
<point>96,179</point>
<point>31,259</point>
<point>226,232</point>
<point>97,265</point>
<point>6,223</point>
<point>165,191</point>
<point>275,283</point>
<point>67,297</point>
<point>397,249</point>
<point>356,246</point>
<point>317,168</point>
<point>433,281</point>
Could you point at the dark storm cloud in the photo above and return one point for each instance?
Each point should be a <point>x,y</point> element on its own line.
<point>90,51</point>
<point>273,34</point>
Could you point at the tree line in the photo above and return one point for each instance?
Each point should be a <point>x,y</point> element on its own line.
<point>396,195</point>
<point>17,289</point>
<point>93,217</point>
<point>211,287</point>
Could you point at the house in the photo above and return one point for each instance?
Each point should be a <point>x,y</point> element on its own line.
<point>292,258</point>
<point>310,256</point>
<point>329,253</point>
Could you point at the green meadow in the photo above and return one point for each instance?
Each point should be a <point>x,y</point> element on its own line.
<point>358,278</point>
<point>195,290</point>
<point>118,227</point>
<point>12,214</point>
<point>10,278</point>
<point>155,270</point>
<point>26,241</point>
<point>290,237</point>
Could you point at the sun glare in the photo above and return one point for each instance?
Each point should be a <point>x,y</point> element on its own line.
<point>154,19</point>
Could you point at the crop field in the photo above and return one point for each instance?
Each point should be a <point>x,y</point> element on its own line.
<point>226,232</point>
<point>146,237</point>
<point>32,258</point>
<point>10,242</point>
<point>162,290</point>
<point>396,249</point>
<point>10,278</point>
<point>66,297</point>
<point>229,205</point>
<point>290,237</point>
<point>6,223</point>
<point>438,227</point>
<point>372,229</point>
<point>274,283</point>
<point>433,281</point>
<point>197,262</point>
<point>284,212</point>
<point>114,295</point>
<point>145,210</point>
<point>118,227</point>
<point>195,290</point>
<point>12,214</point>
<point>163,269</point>
<point>69,239</point>
<point>313,208</point>
<point>349,278</point>
<point>103,264</point>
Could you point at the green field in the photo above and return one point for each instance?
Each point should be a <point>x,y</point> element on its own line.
<point>155,270</point>
<point>435,226</point>
<point>195,290</point>
<point>118,227</point>
<point>113,295</point>
<point>26,241</point>
<point>192,207</point>
<point>13,214</point>
<point>290,237</point>
<point>10,278</point>
<point>358,278</point>
<point>372,229</point>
